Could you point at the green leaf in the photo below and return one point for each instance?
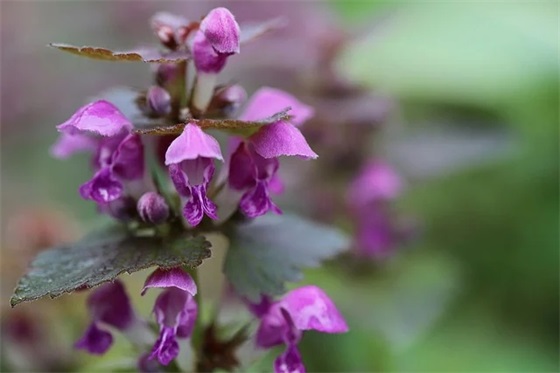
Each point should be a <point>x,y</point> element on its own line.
<point>240,127</point>
<point>139,55</point>
<point>273,249</point>
<point>101,257</point>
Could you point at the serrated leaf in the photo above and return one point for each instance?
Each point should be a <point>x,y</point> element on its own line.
<point>151,55</point>
<point>237,126</point>
<point>251,31</point>
<point>273,249</point>
<point>101,257</point>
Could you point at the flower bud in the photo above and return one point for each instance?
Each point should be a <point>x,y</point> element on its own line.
<point>166,74</point>
<point>159,100</point>
<point>166,36</point>
<point>152,208</point>
<point>228,99</point>
<point>216,40</point>
<point>222,31</point>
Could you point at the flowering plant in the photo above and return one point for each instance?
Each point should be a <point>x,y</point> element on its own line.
<point>162,176</point>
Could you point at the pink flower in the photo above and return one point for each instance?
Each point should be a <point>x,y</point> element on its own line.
<point>191,167</point>
<point>175,310</point>
<point>108,305</point>
<point>282,322</point>
<point>100,128</point>
<point>254,162</point>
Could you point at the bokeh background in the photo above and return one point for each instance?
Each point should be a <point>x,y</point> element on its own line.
<point>468,93</point>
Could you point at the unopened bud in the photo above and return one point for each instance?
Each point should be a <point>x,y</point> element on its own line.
<point>233,95</point>
<point>166,36</point>
<point>152,208</point>
<point>228,99</point>
<point>159,100</point>
<point>166,73</point>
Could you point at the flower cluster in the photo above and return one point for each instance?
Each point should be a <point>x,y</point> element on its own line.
<point>120,181</point>
<point>127,184</point>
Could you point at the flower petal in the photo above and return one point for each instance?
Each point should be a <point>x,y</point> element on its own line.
<point>67,145</point>
<point>206,61</point>
<point>289,361</point>
<point>262,308</point>
<point>198,205</point>
<point>187,318</point>
<point>376,181</point>
<point>110,304</point>
<point>95,340</point>
<point>242,169</point>
<point>102,188</point>
<point>310,308</point>
<point>174,277</point>
<point>99,117</point>
<point>222,31</point>
<point>269,101</point>
<point>176,312</point>
<point>179,180</point>
<point>280,139</point>
<point>128,159</point>
<point>191,144</point>
<point>166,347</point>
<point>256,201</point>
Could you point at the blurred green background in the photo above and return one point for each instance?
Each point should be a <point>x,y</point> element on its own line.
<point>475,135</point>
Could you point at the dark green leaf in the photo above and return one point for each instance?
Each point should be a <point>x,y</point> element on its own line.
<point>139,55</point>
<point>101,257</point>
<point>240,127</point>
<point>271,250</point>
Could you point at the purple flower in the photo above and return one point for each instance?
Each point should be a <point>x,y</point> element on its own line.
<point>191,167</point>
<point>216,40</point>
<point>280,138</point>
<point>100,127</point>
<point>368,198</point>
<point>118,161</point>
<point>377,181</point>
<point>250,172</point>
<point>175,310</point>
<point>282,322</point>
<point>254,163</point>
<point>107,305</point>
